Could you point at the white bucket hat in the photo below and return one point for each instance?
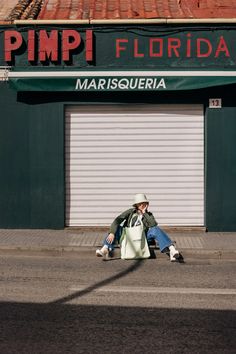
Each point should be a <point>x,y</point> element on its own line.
<point>140,198</point>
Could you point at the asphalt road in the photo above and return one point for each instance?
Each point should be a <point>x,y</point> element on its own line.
<point>77,303</point>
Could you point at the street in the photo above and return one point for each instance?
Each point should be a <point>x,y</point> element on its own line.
<point>77,303</point>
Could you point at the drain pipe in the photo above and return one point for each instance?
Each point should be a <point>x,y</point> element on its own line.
<point>157,21</point>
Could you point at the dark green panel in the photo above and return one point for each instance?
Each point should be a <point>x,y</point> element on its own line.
<point>46,156</point>
<point>221,169</point>
<point>14,161</point>
<point>31,163</point>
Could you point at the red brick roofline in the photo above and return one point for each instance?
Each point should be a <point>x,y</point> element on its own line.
<point>136,9</point>
<point>121,11</point>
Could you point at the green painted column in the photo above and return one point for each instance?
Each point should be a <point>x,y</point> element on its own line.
<point>31,162</point>
<point>221,169</point>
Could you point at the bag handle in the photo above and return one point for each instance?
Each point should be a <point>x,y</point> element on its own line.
<point>139,219</point>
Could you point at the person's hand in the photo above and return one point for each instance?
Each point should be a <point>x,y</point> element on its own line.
<point>145,209</point>
<point>110,238</point>
<point>142,207</point>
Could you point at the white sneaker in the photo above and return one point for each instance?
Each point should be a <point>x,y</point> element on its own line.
<point>174,253</point>
<point>103,252</point>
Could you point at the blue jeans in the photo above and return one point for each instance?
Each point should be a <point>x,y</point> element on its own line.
<point>154,233</point>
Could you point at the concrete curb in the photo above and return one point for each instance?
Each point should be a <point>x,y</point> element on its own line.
<point>202,254</point>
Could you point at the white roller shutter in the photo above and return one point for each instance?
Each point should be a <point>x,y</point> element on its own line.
<point>115,151</point>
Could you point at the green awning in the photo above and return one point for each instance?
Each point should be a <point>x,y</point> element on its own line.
<point>119,81</point>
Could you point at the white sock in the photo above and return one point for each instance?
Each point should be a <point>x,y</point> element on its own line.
<point>104,248</point>
<point>172,248</point>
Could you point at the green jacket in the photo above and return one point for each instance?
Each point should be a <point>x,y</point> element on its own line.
<point>125,218</point>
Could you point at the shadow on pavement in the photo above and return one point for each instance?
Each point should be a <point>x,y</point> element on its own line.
<point>60,328</point>
<point>27,328</point>
<point>134,266</point>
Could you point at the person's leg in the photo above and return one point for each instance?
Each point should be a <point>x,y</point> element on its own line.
<point>111,246</point>
<point>163,240</point>
<point>108,248</point>
<point>160,236</point>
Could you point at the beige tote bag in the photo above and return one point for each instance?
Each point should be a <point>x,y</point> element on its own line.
<point>133,243</point>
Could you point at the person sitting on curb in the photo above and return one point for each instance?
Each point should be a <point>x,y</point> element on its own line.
<point>152,231</point>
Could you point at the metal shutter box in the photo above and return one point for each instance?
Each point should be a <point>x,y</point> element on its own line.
<point>115,151</point>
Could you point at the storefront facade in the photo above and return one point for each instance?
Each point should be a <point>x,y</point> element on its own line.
<point>91,115</point>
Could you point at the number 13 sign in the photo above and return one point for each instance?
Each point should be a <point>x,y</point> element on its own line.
<point>215,103</point>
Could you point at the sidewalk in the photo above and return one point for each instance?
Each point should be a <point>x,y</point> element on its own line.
<point>213,245</point>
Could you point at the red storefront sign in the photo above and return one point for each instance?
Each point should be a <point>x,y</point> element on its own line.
<point>44,45</point>
<point>99,48</point>
<point>174,47</point>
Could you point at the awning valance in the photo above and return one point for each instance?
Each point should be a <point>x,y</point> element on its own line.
<point>118,80</point>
